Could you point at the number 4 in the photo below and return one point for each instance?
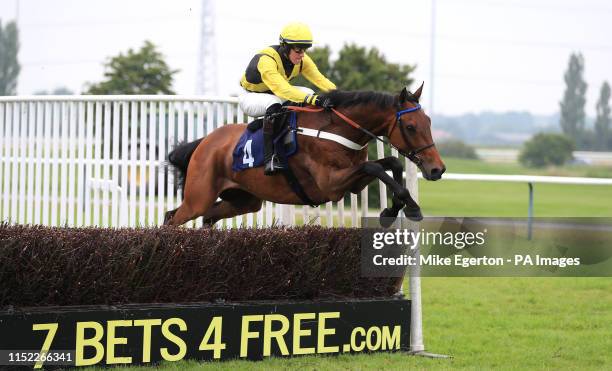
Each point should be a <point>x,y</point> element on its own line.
<point>217,346</point>
<point>248,154</point>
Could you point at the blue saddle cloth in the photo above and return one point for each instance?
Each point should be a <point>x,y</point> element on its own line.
<point>249,152</point>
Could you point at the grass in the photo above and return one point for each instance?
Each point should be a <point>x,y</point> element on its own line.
<point>463,198</point>
<point>476,198</point>
<point>520,323</point>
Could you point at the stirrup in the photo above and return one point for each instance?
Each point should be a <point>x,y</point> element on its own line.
<point>274,166</point>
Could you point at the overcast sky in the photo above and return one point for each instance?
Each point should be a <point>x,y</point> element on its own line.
<point>490,55</point>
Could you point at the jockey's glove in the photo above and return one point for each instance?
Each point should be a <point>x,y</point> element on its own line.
<point>315,100</point>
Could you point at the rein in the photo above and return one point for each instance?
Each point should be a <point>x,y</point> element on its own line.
<point>412,155</point>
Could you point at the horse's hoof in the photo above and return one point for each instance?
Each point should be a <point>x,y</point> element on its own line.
<point>387,217</point>
<point>413,214</point>
<point>168,217</point>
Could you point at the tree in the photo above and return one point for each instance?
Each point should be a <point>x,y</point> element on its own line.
<point>546,149</point>
<point>457,149</point>
<point>322,58</point>
<point>602,122</point>
<point>141,72</point>
<point>9,65</point>
<point>359,68</point>
<point>572,106</point>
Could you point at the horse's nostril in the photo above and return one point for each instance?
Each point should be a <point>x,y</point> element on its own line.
<point>436,173</point>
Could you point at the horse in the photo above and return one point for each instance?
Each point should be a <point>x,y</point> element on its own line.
<point>326,169</point>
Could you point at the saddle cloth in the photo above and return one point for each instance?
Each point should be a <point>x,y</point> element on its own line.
<point>249,152</point>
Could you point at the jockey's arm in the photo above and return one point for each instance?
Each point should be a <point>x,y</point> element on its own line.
<point>276,83</point>
<point>312,73</point>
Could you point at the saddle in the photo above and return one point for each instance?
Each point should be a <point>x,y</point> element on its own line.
<point>249,153</point>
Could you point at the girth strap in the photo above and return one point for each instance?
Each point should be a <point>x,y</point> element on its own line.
<point>295,185</point>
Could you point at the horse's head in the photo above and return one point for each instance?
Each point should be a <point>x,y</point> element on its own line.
<point>411,135</point>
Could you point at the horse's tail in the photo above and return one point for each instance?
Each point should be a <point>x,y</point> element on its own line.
<point>180,156</point>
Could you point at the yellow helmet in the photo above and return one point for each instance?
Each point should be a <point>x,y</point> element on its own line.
<point>297,34</point>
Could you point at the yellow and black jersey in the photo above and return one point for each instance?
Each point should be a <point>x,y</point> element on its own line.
<point>270,72</point>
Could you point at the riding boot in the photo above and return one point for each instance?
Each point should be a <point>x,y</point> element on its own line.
<point>273,164</point>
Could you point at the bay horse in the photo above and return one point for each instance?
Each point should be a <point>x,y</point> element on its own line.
<point>326,169</point>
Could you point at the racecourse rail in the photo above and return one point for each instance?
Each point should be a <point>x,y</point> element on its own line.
<point>530,180</point>
<point>80,161</point>
<point>59,167</point>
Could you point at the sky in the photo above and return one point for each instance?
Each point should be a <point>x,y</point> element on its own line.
<point>488,55</point>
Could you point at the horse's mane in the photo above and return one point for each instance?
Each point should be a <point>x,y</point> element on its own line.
<point>341,98</point>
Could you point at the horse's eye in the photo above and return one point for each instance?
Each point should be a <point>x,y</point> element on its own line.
<point>410,127</point>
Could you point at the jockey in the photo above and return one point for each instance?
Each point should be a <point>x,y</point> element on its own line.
<point>266,84</point>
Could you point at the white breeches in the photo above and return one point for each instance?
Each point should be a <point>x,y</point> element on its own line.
<point>256,104</point>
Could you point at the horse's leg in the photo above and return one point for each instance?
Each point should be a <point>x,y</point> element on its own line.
<point>412,209</point>
<point>346,179</point>
<point>189,211</point>
<point>168,216</point>
<point>227,209</point>
<point>200,194</point>
<point>396,167</point>
<point>388,163</point>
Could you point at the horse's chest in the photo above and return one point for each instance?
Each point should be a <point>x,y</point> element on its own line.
<point>345,162</point>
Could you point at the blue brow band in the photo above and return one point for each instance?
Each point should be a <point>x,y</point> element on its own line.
<point>399,113</point>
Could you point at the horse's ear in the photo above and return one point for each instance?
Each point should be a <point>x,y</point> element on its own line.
<point>403,95</point>
<point>417,94</point>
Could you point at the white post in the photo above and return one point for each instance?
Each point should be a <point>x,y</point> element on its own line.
<point>133,197</point>
<point>286,215</point>
<point>416,319</point>
<point>123,206</point>
<point>151,159</point>
<point>170,203</point>
<point>81,165</point>
<point>3,167</point>
<point>161,154</point>
<point>97,160</point>
<point>23,160</point>
<point>105,171</point>
<point>142,165</point>
<point>73,163</point>
<point>417,343</point>
<point>115,203</point>
<point>382,187</point>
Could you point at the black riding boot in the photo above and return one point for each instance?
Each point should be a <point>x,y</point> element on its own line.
<point>272,163</point>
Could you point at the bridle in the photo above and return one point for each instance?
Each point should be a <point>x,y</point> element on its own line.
<point>412,155</point>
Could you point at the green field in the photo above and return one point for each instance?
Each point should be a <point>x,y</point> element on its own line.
<point>460,198</point>
<point>495,323</point>
<point>475,198</point>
